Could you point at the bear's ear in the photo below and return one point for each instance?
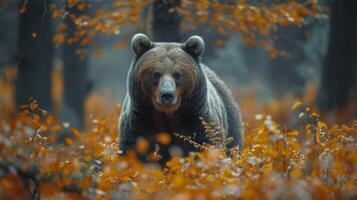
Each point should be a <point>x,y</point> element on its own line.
<point>194,46</point>
<point>140,43</point>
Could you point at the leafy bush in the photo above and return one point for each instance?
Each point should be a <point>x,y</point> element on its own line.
<point>41,158</point>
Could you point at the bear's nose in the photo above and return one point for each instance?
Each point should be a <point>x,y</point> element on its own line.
<point>167,98</point>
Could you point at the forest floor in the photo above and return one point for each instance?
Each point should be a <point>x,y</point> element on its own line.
<point>290,151</point>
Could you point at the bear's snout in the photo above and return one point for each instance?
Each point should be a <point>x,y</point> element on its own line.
<point>167,98</point>
<point>167,88</point>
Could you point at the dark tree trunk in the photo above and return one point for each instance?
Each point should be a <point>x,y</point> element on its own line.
<point>339,72</point>
<point>35,51</point>
<point>76,83</point>
<point>166,21</point>
<point>8,18</point>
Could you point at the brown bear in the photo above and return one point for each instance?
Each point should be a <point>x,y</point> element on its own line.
<point>169,90</point>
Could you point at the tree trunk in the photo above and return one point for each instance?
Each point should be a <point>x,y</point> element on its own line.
<point>35,51</point>
<point>166,21</point>
<point>338,76</point>
<point>76,83</point>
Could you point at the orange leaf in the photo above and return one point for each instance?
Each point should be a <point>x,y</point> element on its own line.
<point>75,132</point>
<point>34,34</point>
<point>33,105</point>
<point>69,141</point>
<point>99,52</point>
<point>36,118</point>
<point>163,138</point>
<point>142,145</point>
<point>49,119</point>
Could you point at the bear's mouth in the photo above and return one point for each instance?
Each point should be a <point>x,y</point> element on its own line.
<point>165,106</point>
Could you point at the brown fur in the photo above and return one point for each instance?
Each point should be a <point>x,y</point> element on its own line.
<point>166,122</point>
<point>166,61</point>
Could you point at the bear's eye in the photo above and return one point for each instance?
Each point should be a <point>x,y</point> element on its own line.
<point>177,76</point>
<point>156,76</point>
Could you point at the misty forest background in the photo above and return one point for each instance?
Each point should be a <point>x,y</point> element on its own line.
<point>319,59</point>
<point>290,63</point>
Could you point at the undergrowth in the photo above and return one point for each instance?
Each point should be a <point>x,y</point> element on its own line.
<point>42,158</point>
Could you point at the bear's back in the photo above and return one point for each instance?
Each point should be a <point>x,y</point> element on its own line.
<point>232,112</point>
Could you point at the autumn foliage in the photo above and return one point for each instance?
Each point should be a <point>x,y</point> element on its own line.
<point>42,158</point>
<point>290,151</point>
<point>256,23</point>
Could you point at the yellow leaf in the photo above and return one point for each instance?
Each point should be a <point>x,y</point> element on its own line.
<point>178,182</point>
<point>318,136</point>
<point>43,127</point>
<point>268,167</point>
<point>322,125</point>
<point>296,104</point>
<point>270,152</point>
<point>293,133</point>
<point>295,173</point>
<point>87,158</point>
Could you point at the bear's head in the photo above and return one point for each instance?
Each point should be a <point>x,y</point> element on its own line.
<point>167,72</point>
